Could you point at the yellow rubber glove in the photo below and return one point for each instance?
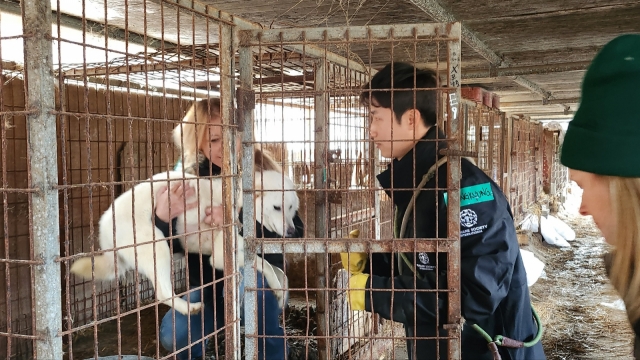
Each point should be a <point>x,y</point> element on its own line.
<point>354,262</point>
<point>357,284</point>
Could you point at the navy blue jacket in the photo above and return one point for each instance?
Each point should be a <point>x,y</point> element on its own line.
<point>493,282</point>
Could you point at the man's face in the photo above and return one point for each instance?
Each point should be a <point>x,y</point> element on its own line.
<point>392,138</point>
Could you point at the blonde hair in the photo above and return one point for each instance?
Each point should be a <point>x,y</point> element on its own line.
<point>625,266</point>
<point>189,135</point>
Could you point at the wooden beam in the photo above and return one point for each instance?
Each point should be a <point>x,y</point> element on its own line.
<point>525,70</point>
<point>439,13</point>
<point>298,79</point>
<point>539,103</point>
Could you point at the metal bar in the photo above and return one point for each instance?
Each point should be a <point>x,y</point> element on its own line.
<point>229,166</point>
<point>354,34</point>
<point>43,175</point>
<point>318,246</point>
<point>543,114</point>
<point>525,70</point>
<point>246,115</point>
<point>557,101</point>
<point>259,81</point>
<point>149,66</point>
<point>454,325</point>
<point>533,87</point>
<point>321,126</point>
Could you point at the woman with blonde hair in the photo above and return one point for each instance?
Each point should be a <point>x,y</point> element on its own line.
<point>199,137</point>
<point>601,151</point>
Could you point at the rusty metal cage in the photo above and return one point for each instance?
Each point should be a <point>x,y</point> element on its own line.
<point>78,129</point>
<point>526,166</point>
<point>483,134</point>
<point>87,112</point>
<point>337,163</point>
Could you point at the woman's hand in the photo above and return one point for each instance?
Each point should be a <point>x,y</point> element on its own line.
<point>214,216</point>
<point>178,193</point>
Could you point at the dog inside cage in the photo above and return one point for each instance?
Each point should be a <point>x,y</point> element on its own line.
<point>229,191</point>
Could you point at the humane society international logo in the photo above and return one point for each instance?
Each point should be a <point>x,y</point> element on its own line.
<point>468,218</point>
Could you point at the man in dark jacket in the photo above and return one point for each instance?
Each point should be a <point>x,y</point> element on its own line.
<point>494,292</point>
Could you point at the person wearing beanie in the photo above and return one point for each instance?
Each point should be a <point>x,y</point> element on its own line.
<point>495,301</point>
<point>601,151</point>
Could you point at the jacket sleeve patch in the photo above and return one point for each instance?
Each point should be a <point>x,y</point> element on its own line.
<point>474,194</point>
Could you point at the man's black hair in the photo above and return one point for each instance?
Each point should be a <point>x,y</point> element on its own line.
<point>406,81</point>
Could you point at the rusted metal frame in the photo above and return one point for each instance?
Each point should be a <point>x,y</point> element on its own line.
<point>454,318</point>
<point>264,81</point>
<point>65,239</point>
<point>111,183</point>
<point>464,112</point>
<point>439,31</point>
<point>525,70</point>
<point>319,246</point>
<point>321,136</point>
<point>5,214</point>
<point>22,262</point>
<point>97,116</point>
<point>503,146</point>
<point>355,91</point>
<point>246,121</point>
<point>491,144</point>
<point>142,68</point>
<point>43,175</point>
<point>14,190</point>
<point>229,166</point>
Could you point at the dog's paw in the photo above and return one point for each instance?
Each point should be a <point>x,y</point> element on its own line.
<point>194,308</point>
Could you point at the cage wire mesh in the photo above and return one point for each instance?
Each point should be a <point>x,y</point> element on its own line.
<point>324,131</point>
<point>123,78</point>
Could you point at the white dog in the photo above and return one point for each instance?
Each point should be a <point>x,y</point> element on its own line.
<point>276,205</point>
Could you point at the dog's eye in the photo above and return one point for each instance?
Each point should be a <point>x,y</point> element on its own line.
<point>290,207</point>
<point>277,208</point>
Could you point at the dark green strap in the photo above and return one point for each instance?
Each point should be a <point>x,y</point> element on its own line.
<point>399,233</point>
<point>502,341</point>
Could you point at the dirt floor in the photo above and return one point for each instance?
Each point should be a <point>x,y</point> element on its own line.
<point>579,309</point>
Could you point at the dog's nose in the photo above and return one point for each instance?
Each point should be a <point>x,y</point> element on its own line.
<point>291,232</point>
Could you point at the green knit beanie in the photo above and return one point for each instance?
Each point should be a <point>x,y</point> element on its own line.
<point>604,136</point>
